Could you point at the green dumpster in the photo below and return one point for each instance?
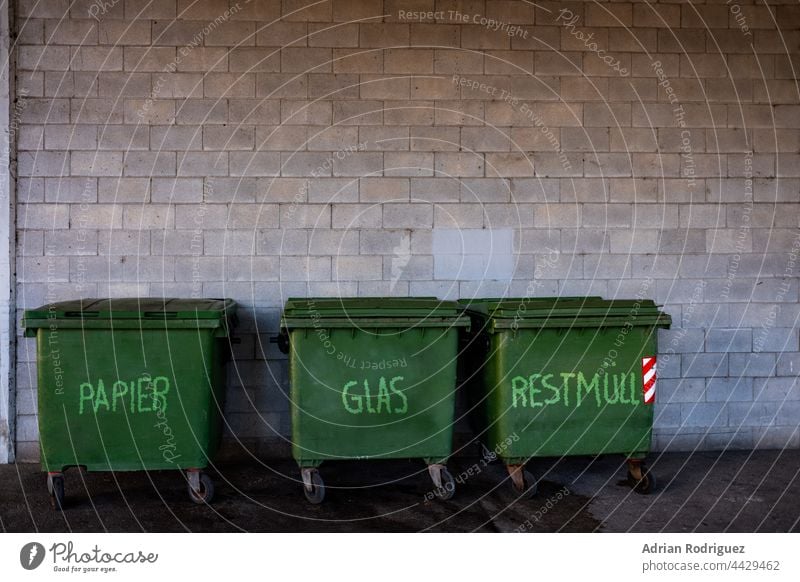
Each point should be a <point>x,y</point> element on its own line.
<point>131,384</point>
<point>564,376</point>
<point>372,378</point>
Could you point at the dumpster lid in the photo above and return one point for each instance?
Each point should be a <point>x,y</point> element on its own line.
<point>555,311</point>
<point>132,308</point>
<point>370,307</point>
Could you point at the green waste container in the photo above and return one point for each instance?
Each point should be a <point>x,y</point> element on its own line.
<point>131,384</point>
<point>564,376</point>
<point>372,378</point>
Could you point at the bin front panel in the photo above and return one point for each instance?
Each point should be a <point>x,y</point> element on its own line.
<point>360,393</point>
<point>568,392</point>
<point>128,399</point>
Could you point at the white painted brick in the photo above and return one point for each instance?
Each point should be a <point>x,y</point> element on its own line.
<point>333,190</point>
<point>229,242</point>
<point>305,216</point>
<point>30,190</point>
<point>43,163</point>
<point>152,216</point>
<point>173,243</point>
<point>202,164</point>
<point>177,190</point>
<point>96,58</point>
<point>70,137</point>
<point>281,86</point>
<point>384,138</point>
<point>202,268</point>
<point>148,164</point>
<point>44,58</point>
<point>204,112</point>
<point>166,85</point>
<point>273,242</point>
<point>30,243</point>
<point>408,164</point>
<point>333,139</point>
<point>219,190</point>
<point>281,138</point>
<point>352,216</point>
<point>254,163</point>
<point>383,189</point>
<point>305,268</point>
<point>509,165</point>
<point>361,112</point>
<point>72,242</point>
<point>252,216</point>
<point>434,190</point>
<point>408,215</point>
<point>358,164</point>
<point>509,215</point>
<point>333,242</point>
<point>458,216</point>
<point>459,164</point>
<point>30,138</point>
<point>121,242</point>
<point>123,137</point>
<point>251,268</point>
<point>316,164</point>
<point>121,190</point>
<point>359,268</point>
<point>47,269</point>
<point>114,84</point>
<point>176,137</point>
<point>65,190</point>
<point>434,139</point>
<point>207,216</point>
<point>241,139</point>
<point>149,111</point>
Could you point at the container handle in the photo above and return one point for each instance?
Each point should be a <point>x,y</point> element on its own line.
<point>161,314</point>
<point>81,313</point>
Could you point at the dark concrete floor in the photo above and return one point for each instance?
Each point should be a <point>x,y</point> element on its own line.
<point>708,492</point>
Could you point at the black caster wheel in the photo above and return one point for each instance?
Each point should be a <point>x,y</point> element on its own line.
<point>55,487</point>
<point>448,488</point>
<point>206,491</point>
<point>644,486</point>
<point>316,493</point>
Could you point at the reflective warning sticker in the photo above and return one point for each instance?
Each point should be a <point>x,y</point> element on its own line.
<point>649,379</point>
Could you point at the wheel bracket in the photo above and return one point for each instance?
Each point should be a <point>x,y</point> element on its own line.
<point>193,475</point>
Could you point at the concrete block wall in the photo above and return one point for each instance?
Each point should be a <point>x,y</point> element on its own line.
<point>264,149</point>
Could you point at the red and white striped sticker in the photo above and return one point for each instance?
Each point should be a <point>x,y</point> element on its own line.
<point>649,379</point>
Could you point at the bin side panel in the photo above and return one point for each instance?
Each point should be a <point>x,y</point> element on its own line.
<point>552,392</point>
<point>360,394</point>
<point>128,400</point>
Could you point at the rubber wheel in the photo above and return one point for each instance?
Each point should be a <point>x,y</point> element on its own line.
<point>531,485</point>
<point>283,343</point>
<point>448,488</point>
<point>317,493</point>
<point>206,493</point>
<point>644,486</point>
<point>55,486</point>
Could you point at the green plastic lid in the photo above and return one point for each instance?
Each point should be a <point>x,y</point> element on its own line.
<point>131,308</point>
<point>568,311</point>
<point>371,307</point>
<point>530,306</point>
<point>356,311</point>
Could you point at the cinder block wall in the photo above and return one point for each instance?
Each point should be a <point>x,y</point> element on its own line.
<point>264,149</point>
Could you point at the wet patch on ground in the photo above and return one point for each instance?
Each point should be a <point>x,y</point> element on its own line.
<point>709,492</point>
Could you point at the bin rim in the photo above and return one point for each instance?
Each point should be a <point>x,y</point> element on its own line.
<point>131,312</point>
<point>570,312</point>
<point>372,312</point>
